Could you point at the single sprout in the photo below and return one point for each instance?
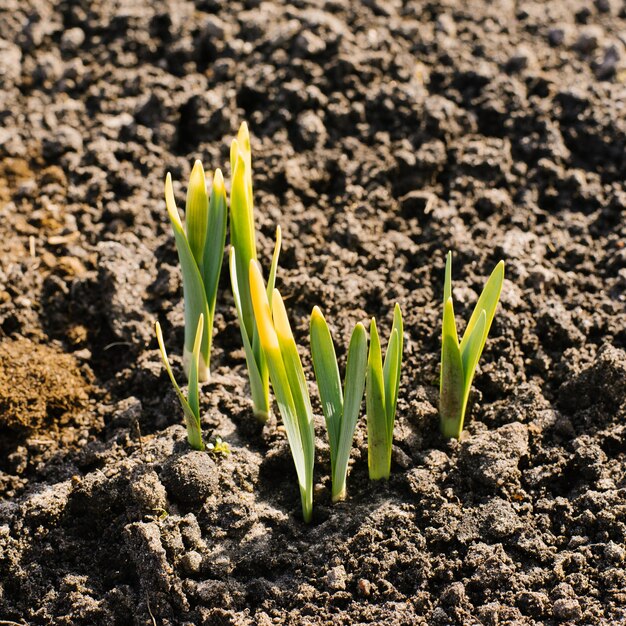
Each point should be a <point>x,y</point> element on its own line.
<point>381,396</point>
<point>191,404</point>
<point>288,382</point>
<point>459,361</point>
<point>242,252</point>
<point>341,414</point>
<point>200,248</point>
<point>218,447</point>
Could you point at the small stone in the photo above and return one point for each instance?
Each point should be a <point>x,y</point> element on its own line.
<point>72,39</point>
<point>365,587</point>
<point>566,609</point>
<point>614,553</point>
<point>191,562</point>
<point>311,129</point>
<point>556,36</point>
<point>454,594</point>
<point>336,578</point>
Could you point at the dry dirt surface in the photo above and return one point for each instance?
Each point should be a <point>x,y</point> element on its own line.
<point>384,134</point>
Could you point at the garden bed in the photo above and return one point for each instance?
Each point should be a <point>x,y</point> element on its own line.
<point>383,135</point>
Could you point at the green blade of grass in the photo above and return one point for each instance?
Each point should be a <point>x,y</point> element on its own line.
<point>297,381</point>
<point>473,348</point>
<point>289,387</point>
<point>214,243</point>
<point>197,212</point>
<point>194,391</point>
<point>377,431</point>
<point>447,285</point>
<point>242,238</point>
<point>192,419</point>
<point>258,385</point>
<point>488,301</point>
<point>271,279</point>
<point>452,381</point>
<point>256,344</point>
<point>193,288</point>
<point>354,386</point>
<point>390,378</point>
<point>327,376</point>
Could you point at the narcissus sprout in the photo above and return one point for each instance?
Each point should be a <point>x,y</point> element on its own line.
<point>191,404</point>
<point>381,396</point>
<point>242,252</point>
<point>200,248</point>
<point>459,360</point>
<point>341,408</point>
<point>288,382</point>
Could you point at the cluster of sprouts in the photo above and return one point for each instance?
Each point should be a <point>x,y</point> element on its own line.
<point>271,352</point>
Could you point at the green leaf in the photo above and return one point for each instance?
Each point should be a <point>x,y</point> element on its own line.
<point>288,382</point>
<point>214,243</point>
<point>193,288</point>
<point>487,302</point>
<point>192,414</point>
<point>328,381</point>
<point>447,285</point>
<point>356,369</point>
<point>472,351</point>
<point>295,373</point>
<point>242,238</point>
<point>377,431</point>
<point>271,279</point>
<point>452,381</point>
<point>194,392</point>
<point>197,212</point>
<point>392,368</point>
<point>459,361</point>
<point>258,386</point>
<point>390,378</point>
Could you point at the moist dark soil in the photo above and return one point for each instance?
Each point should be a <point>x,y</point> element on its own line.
<point>384,134</point>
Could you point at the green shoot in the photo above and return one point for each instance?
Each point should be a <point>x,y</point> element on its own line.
<point>242,252</point>
<point>200,248</point>
<point>191,404</point>
<point>341,415</point>
<point>218,448</point>
<point>459,361</point>
<point>288,382</point>
<point>381,396</point>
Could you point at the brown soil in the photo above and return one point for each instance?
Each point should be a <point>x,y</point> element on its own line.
<point>384,134</point>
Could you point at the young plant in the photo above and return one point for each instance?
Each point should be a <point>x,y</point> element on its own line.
<point>242,252</point>
<point>459,361</point>
<point>191,404</point>
<point>381,396</point>
<point>288,382</point>
<point>200,248</point>
<point>341,409</point>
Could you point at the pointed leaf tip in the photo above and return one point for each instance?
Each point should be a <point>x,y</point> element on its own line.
<point>316,313</point>
<point>218,180</point>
